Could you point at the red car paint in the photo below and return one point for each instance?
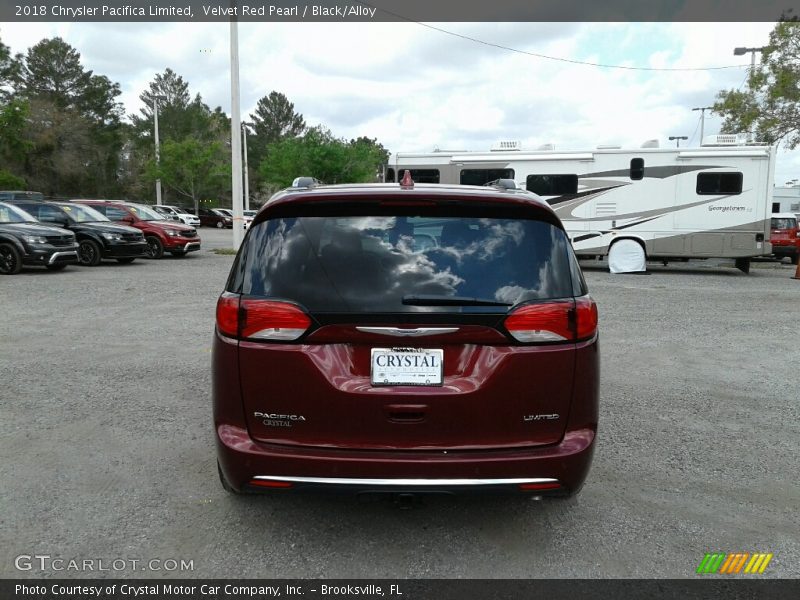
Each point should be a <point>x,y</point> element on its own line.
<point>785,236</point>
<point>187,241</point>
<point>304,413</point>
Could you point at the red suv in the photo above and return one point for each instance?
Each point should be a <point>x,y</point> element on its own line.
<point>386,338</point>
<point>161,234</point>
<point>785,236</point>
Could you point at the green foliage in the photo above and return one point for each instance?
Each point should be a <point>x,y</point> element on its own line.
<point>11,182</point>
<point>321,155</point>
<point>770,104</point>
<point>192,167</point>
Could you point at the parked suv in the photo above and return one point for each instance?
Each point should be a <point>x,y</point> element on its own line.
<point>160,234</point>
<point>25,241</point>
<point>176,213</point>
<point>405,338</point>
<point>212,217</point>
<point>98,238</point>
<point>785,236</point>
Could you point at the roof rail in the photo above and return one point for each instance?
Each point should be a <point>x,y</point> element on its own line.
<point>305,182</point>
<point>502,184</point>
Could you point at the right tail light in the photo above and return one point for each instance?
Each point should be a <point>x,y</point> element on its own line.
<point>557,321</point>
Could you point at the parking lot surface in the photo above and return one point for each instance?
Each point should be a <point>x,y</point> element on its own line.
<point>107,443</point>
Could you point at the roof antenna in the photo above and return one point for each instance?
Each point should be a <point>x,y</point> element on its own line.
<point>407,183</point>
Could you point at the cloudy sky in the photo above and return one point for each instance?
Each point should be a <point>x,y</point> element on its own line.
<point>414,87</point>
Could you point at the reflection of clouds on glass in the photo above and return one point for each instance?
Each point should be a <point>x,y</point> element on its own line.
<point>369,263</point>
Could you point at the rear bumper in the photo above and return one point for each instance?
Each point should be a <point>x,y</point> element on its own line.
<point>252,466</point>
<point>785,250</point>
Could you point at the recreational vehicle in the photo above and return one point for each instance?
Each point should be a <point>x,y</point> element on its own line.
<point>632,205</point>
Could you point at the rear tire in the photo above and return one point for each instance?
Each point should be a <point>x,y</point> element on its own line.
<point>10,259</point>
<point>225,485</point>
<point>60,267</point>
<point>626,256</point>
<point>155,249</point>
<point>743,264</point>
<point>126,261</point>
<point>89,253</point>
<point>795,258</point>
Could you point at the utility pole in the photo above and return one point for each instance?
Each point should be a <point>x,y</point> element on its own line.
<point>236,135</point>
<point>246,172</point>
<point>702,110</point>
<point>155,122</point>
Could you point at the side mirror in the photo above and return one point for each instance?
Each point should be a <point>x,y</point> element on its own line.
<point>127,219</point>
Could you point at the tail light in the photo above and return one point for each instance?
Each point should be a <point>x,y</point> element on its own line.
<point>559,321</point>
<point>250,318</point>
<point>267,483</point>
<point>544,322</point>
<point>533,487</point>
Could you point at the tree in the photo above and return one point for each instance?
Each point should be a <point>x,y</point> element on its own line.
<point>273,121</point>
<point>770,105</point>
<point>9,71</point>
<point>321,155</point>
<point>192,168</point>
<point>73,128</point>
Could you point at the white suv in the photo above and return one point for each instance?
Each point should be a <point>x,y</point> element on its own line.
<point>176,213</point>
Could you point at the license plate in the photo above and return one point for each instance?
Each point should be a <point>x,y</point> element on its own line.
<point>406,366</point>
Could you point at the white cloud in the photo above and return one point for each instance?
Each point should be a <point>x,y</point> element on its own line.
<point>413,87</point>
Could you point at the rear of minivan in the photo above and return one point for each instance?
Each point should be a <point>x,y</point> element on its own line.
<point>390,339</point>
<point>785,236</point>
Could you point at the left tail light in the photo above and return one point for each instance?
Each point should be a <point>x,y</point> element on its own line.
<point>250,318</point>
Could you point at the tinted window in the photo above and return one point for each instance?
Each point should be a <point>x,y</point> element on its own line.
<point>115,214</point>
<point>369,263</point>
<point>719,183</point>
<point>484,176</point>
<point>423,175</point>
<point>784,223</point>
<point>389,175</point>
<point>46,213</point>
<point>637,168</point>
<point>552,185</point>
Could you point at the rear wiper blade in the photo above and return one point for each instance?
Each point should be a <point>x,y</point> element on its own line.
<point>431,300</point>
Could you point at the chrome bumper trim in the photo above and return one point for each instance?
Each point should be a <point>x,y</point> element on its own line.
<point>55,255</point>
<point>406,482</point>
<point>410,332</point>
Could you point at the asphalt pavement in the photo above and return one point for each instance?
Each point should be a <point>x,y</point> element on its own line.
<point>107,445</point>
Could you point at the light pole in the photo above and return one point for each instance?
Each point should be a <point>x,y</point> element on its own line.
<point>246,172</point>
<point>158,158</point>
<point>236,136</point>
<point>678,139</point>
<point>741,51</point>
<point>702,110</point>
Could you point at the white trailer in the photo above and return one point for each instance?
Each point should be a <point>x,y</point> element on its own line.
<point>632,205</point>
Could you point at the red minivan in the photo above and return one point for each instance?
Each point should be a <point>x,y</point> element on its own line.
<point>405,338</point>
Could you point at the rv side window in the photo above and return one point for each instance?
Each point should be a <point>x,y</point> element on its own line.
<point>484,176</point>
<point>552,185</point>
<point>389,175</point>
<point>719,183</point>
<point>422,175</point>
<point>637,168</point>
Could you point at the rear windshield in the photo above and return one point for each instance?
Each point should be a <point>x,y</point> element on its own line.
<point>376,263</point>
<point>784,223</point>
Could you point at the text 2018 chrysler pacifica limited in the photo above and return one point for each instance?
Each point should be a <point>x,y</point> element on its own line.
<point>405,338</point>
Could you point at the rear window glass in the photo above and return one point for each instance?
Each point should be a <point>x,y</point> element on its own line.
<point>784,223</point>
<point>370,263</point>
